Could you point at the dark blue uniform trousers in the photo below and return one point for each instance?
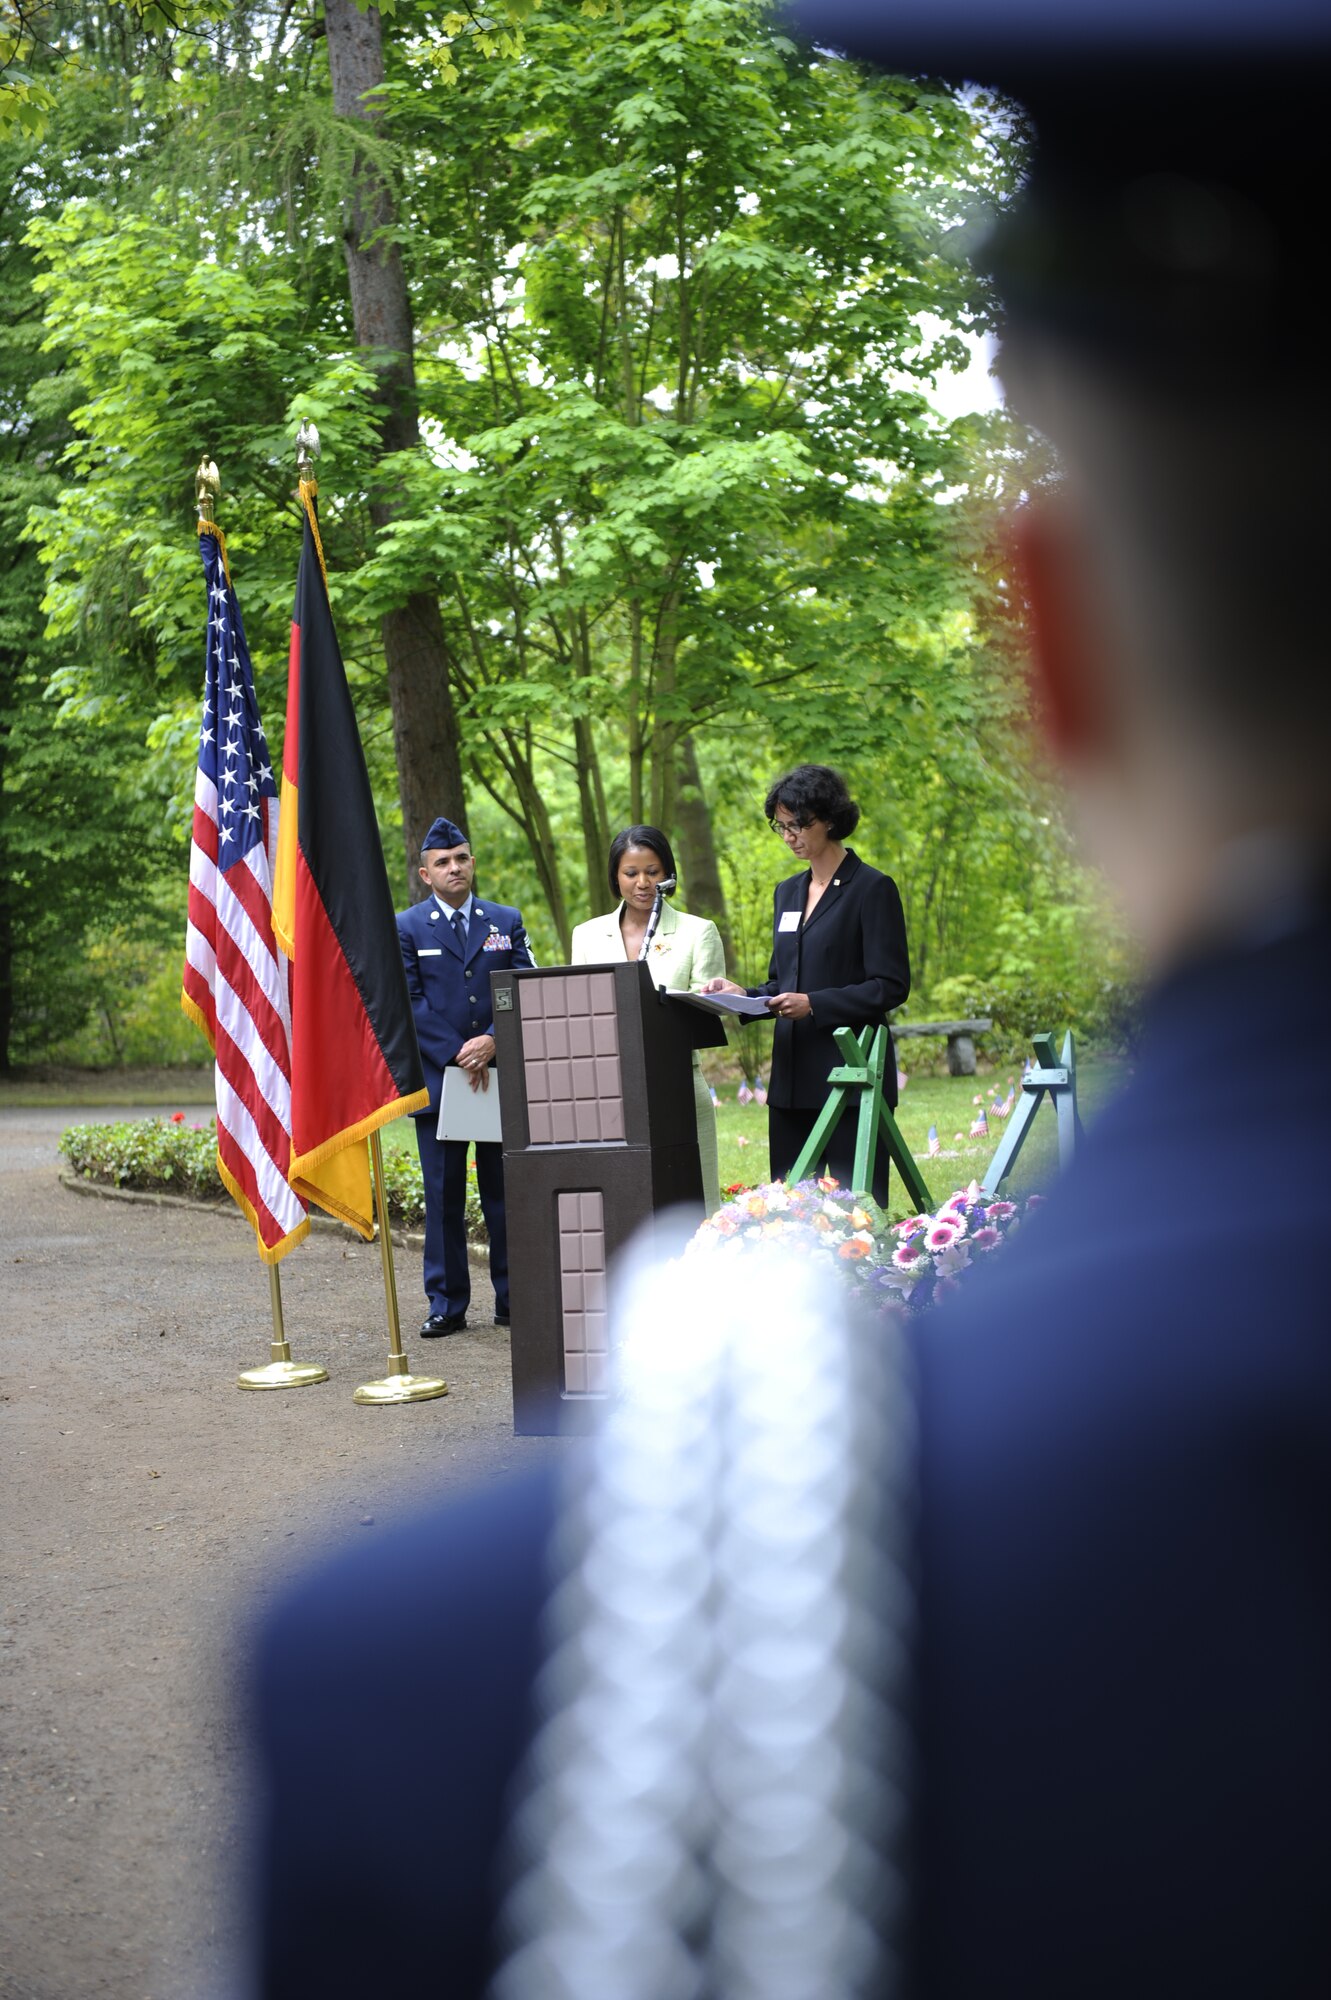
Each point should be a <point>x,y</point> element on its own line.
<point>444,1167</point>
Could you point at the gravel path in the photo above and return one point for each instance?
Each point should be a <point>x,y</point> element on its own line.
<point>149,1510</point>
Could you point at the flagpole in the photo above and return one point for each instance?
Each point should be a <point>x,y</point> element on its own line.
<point>399,1385</point>
<point>281,1371</point>
<point>198,996</point>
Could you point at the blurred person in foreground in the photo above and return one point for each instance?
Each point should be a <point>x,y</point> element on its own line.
<point>684,953</point>
<point>839,960</point>
<point>1123,1776</point>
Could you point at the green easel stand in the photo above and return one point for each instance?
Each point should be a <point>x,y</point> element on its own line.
<point>1055,1078</point>
<point>862,1072</point>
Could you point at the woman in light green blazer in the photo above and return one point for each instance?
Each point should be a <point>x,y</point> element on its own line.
<point>684,954</point>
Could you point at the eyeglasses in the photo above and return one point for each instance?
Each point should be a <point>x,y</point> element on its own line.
<point>788,828</point>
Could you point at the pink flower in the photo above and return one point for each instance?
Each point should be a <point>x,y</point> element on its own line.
<point>907,1259</point>
<point>943,1233</point>
<point>1001,1211</point>
<point>985,1239</point>
<point>1035,1201</point>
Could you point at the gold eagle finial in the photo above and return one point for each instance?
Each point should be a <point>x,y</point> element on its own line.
<point>207,486</point>
<point>307,449</point>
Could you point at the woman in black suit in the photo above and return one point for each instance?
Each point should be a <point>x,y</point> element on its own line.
<point>839,960</point>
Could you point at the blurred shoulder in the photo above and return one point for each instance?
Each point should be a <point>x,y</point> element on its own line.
<point>473,1563</point>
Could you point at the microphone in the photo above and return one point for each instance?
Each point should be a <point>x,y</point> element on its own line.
<point>662,889</point>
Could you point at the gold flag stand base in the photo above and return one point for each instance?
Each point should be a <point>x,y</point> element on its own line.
<point>399,1385</point>
<point>281,1371</point>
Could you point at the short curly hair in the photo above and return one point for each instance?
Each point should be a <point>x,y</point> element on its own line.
<point>640,836</point>
<point>815,791</point>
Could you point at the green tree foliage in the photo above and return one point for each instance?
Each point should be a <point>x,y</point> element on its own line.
<point>84,836</point>
<point>686,476</point>
<point>679,291</point>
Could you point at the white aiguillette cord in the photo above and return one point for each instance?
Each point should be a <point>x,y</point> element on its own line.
<point>663,889</point>
<point>716,1797</point>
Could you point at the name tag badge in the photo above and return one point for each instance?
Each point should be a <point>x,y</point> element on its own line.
<point>430,951</point>
<point>790,920</point>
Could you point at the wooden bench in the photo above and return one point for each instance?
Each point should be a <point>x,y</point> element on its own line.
<point>960,1040</point>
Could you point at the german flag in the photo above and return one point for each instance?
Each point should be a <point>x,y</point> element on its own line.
<point>354,1060</point>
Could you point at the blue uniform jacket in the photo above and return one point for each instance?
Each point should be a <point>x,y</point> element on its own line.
<point>450,993</point>
<point>1124,1732</point>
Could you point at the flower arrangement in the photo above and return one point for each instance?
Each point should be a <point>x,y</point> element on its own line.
<point>815,1215</point>
<point>911,1264</point>
<point>932,1251</point>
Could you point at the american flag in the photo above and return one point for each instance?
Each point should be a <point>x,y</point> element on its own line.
<point>979,1125</point>
<point>934,1147</point>
<point>235,980</point>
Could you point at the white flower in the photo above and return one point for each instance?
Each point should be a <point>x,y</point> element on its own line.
<point>955,1258</point>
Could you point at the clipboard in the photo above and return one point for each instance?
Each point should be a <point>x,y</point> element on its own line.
<point>465,1113</point>
<point>741,1004</point>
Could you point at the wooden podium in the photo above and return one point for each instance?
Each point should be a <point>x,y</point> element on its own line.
<point>600,1133</point>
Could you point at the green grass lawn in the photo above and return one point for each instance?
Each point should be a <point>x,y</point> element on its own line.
<point>944,1101</point>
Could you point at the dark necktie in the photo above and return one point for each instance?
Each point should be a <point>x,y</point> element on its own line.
<point>459,924</point>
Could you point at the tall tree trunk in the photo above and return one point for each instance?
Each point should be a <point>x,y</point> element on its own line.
<point>705,893</point>
<point>637,749</point>
<point>591,805</point>
<point>425,731</point>
<point>665,728</point>
<point>531,813</point>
